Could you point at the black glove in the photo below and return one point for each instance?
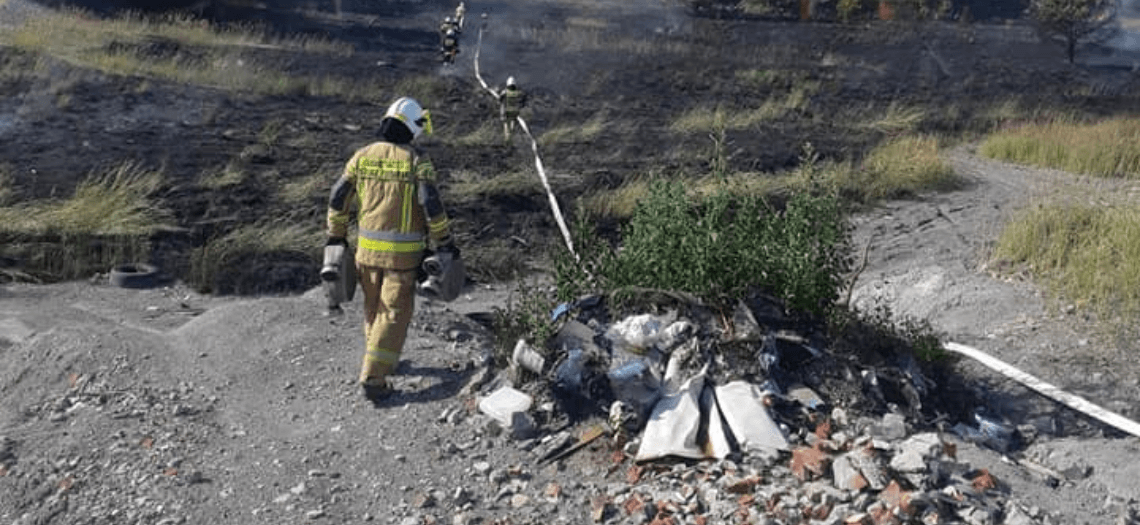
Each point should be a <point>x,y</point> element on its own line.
<point>337,241</point>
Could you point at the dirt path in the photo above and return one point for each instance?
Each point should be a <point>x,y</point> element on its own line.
<point>928,259</point>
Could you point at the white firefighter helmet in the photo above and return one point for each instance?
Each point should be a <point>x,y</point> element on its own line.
<point>450,32</point>
<point>511,82</point>
<point>408,111</point>
<point>448,20</point>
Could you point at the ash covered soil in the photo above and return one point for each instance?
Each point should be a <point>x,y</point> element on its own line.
<point>168,406</point>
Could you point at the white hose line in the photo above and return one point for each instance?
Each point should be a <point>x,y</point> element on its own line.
<point>478,46</point>
<point>1072,401</point>
<point>537,160</point>
<point>549,193</point>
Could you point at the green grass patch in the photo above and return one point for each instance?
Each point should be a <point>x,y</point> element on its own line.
<point>1090,253</point>
<point>899,167</point>
<point>1109,148</point>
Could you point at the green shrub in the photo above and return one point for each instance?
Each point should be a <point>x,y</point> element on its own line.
<point>720,246</point>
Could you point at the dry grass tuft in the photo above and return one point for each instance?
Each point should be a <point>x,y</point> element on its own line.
<point>1088,252</point>
<point>1109,148</point>
<point>181,49</point>
<point>901,167</point>
<point>115,202</point>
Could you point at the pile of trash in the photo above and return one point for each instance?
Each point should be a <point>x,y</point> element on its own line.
<point>672,387</point>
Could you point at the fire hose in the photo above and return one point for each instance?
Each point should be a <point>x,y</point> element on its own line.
<point>1052,392</point>
<point>537,160</point>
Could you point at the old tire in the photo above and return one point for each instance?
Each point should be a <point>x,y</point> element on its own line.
<point>134,275</point>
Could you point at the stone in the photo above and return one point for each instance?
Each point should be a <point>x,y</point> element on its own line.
<point>914,452</point>
<point>845,475</point>
<point>891,427</point>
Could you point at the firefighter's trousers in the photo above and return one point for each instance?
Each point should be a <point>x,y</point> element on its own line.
<point>389,300</point>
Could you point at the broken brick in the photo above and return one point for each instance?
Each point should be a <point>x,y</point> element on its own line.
<point>820,512</point>
<point>895,497</point>
<point>984,481</point>
<point>858,519</point>
<point>744,486</point>
<point>746,500</point>
<point>633,475</point>
<point>881,514</point>
<point>823,430</point>
<point>633,505</point>
<point>808,463</point>
<point>700,520</point>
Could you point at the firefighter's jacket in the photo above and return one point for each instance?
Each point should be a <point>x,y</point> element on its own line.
<point>399,206</point>
<point>511,101</point>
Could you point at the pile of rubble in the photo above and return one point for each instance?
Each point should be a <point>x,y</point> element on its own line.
<point>711,425</point>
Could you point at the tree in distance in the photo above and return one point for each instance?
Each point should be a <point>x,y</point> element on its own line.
<point>1075,21</point>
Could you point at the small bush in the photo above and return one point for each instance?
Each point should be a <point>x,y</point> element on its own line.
<point>720,246</point>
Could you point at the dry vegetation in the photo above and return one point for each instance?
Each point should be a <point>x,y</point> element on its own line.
<point>1082,241</point>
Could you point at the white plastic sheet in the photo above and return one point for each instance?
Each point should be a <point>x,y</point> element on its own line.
<point>742,404</point>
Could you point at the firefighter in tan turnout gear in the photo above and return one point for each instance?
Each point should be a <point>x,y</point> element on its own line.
<point>400,214</point>
<point>512,100</point>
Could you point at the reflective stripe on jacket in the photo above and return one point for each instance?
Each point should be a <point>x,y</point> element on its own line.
<point>391,186</point>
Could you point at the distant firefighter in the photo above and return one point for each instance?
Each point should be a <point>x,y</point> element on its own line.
<point>449,47</point>
<point>512,100</point>
<point>460,11</point>
<point>448,24</point>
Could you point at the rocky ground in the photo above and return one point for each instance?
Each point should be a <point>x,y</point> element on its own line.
<point>168,406</point>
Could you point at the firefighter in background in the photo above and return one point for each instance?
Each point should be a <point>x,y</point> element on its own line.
<point>448,24</point>
<point>512,100</point>
<point>400,214</point>
<point>460,11</point>
<point>449,47</point>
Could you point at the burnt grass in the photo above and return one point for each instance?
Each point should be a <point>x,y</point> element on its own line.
<point>956,72</point>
